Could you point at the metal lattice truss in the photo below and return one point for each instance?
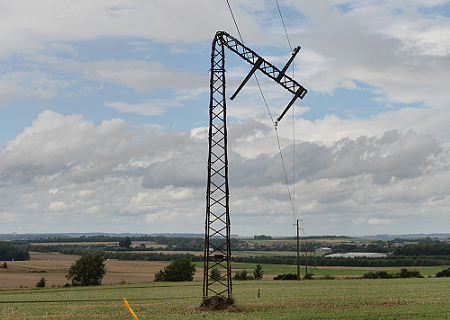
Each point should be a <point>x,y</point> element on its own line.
<point>217,252</point>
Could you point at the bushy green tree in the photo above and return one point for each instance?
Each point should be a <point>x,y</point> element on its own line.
<point>443,273</point>
<point>178,270</point>
<point>258,273</point>
<point>9,252</point>
<point>125,243</point>
<point>41,283</point>
<point>405,273</point>
<point>87,271</point>
<point>242,275</point>
<point>216,274</point>
<point>287,276</point>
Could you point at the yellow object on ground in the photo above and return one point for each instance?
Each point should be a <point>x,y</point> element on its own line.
<point>129,309</point>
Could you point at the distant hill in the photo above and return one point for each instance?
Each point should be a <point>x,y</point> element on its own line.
<point>408,236</point>
<point>33,236</point>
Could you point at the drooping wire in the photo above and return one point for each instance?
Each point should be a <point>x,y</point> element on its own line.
<point>293,110</point>
<point>235,23</point>
<point>284,25</point>
<point>268,109</point>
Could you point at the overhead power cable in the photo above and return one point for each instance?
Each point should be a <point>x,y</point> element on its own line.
<point>284,25</point>
<point>267,105</point>
<point>293,112</point>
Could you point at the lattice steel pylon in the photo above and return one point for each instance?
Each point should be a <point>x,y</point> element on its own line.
<point>217,252</point>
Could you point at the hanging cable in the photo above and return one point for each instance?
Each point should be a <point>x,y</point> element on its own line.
<point>267,107</point>
<point>293,111</point>
<point>235,23</point>
<point>284,25</point>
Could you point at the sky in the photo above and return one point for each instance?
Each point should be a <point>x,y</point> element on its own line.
<point>104,116</point>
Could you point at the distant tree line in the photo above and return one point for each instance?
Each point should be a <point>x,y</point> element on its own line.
<point>150,256</point>
<point>262,237</point>
<point>9,252</point>
<point>424,249</point>
<point>390,261</point>
<point>99,238</point>
<point>66,249</point>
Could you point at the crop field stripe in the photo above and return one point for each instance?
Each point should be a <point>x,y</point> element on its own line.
<point>105,300</point>
<point>97,300</point>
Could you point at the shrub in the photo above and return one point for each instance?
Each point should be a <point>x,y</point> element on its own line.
<point>287,276</point>
<point>377,275</point>
<point>87,271</point>
<point>405,273</point>
<point>443,273</point>
<point>328,277</point>
<point>242,275</point>
<point>369,275</point>
<point>178,270</point>
<point>308,276</point>
<point>41,283</point>
<point>216,274</point>
<point>384,275</point>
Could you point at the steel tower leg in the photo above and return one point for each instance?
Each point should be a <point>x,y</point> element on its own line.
<point>217,227</point>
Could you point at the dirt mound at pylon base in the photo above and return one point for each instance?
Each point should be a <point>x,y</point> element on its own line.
<point>219,303</point>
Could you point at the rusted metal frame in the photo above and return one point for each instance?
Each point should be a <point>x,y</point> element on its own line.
<point>267,68</point>
<point>217,88</point>
<point>217,191</point>
<point>216,232</point>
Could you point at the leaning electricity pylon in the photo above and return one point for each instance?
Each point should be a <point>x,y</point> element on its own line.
<point>217,252</point>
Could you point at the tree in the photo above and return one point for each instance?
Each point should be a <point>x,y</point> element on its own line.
<point>87,271</point>
<point>288,276</point>
<point>125,243</point>
<point>258,272</point>
<point>242,275</point>
<point>216,274</point>
<point>41,283</point>
<point>10,252</point>
<point>178,270</point>
<point>443,273</point>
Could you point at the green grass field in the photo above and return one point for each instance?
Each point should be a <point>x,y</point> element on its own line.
<point>271,270</point>
<point>425,298</point>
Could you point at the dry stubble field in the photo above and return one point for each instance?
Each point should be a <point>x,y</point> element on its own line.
<point>53,267</point>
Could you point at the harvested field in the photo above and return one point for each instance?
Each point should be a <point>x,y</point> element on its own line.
<point>53,267</point>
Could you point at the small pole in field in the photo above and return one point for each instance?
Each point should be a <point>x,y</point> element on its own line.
<point>306,258</point>
<point>298,253</point>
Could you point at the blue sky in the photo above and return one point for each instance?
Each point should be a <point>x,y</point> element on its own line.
<point>104,115</point>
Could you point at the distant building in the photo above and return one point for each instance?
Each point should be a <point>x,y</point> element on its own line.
<point>357,254</point>
<point>324,249</point>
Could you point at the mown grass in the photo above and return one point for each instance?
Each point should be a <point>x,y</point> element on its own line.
<point>316,299</point>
